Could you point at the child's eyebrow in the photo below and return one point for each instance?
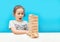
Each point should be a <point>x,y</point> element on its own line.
<point>21,12</point>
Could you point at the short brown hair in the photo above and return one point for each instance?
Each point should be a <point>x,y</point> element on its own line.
<point>17,7</point>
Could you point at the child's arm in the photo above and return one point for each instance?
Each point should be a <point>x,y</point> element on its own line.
<point>19,31</point>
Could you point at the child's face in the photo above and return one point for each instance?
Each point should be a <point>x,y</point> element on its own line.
<point>19,13</point>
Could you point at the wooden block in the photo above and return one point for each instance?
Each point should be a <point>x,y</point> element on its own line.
<point>33,17</point>
<point>33,26</point>
<point>35,35</point>
<point>33,23</point>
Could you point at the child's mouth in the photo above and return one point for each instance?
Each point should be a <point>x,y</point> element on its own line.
<point>20,18</point>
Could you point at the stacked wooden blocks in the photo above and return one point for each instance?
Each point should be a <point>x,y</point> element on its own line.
<point>33,26</point>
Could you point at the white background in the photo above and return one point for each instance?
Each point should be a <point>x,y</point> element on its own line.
<point>43,37</point>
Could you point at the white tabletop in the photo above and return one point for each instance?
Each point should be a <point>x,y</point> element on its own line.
<point>43,37</point>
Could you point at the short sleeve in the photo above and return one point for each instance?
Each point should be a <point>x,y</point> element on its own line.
<point>11,24</point>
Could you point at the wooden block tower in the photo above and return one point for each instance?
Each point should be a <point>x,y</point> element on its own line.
<point>33,26</point>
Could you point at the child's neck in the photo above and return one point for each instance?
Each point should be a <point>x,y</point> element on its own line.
<point>19,20</point>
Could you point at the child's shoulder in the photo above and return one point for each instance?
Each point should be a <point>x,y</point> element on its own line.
<point>14,21</point>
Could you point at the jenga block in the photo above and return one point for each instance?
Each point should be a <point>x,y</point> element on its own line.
<point>33,29</point>
<point>33,26</point>
<point>33,23</point>
<point>32,19</point>
<point>35,35</point>
<point>32,16</point>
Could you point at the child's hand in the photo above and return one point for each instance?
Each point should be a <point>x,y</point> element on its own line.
<point>26,32</point>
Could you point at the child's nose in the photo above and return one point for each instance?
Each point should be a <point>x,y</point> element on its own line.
<point>20,15</point>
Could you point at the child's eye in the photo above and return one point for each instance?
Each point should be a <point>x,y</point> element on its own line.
<point>18,13</point>
<point>22,13</point>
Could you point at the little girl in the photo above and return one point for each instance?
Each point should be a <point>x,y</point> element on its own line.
<point>18,26</point>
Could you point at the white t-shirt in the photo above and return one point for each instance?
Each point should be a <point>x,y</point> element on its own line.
<point>18,25</point>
